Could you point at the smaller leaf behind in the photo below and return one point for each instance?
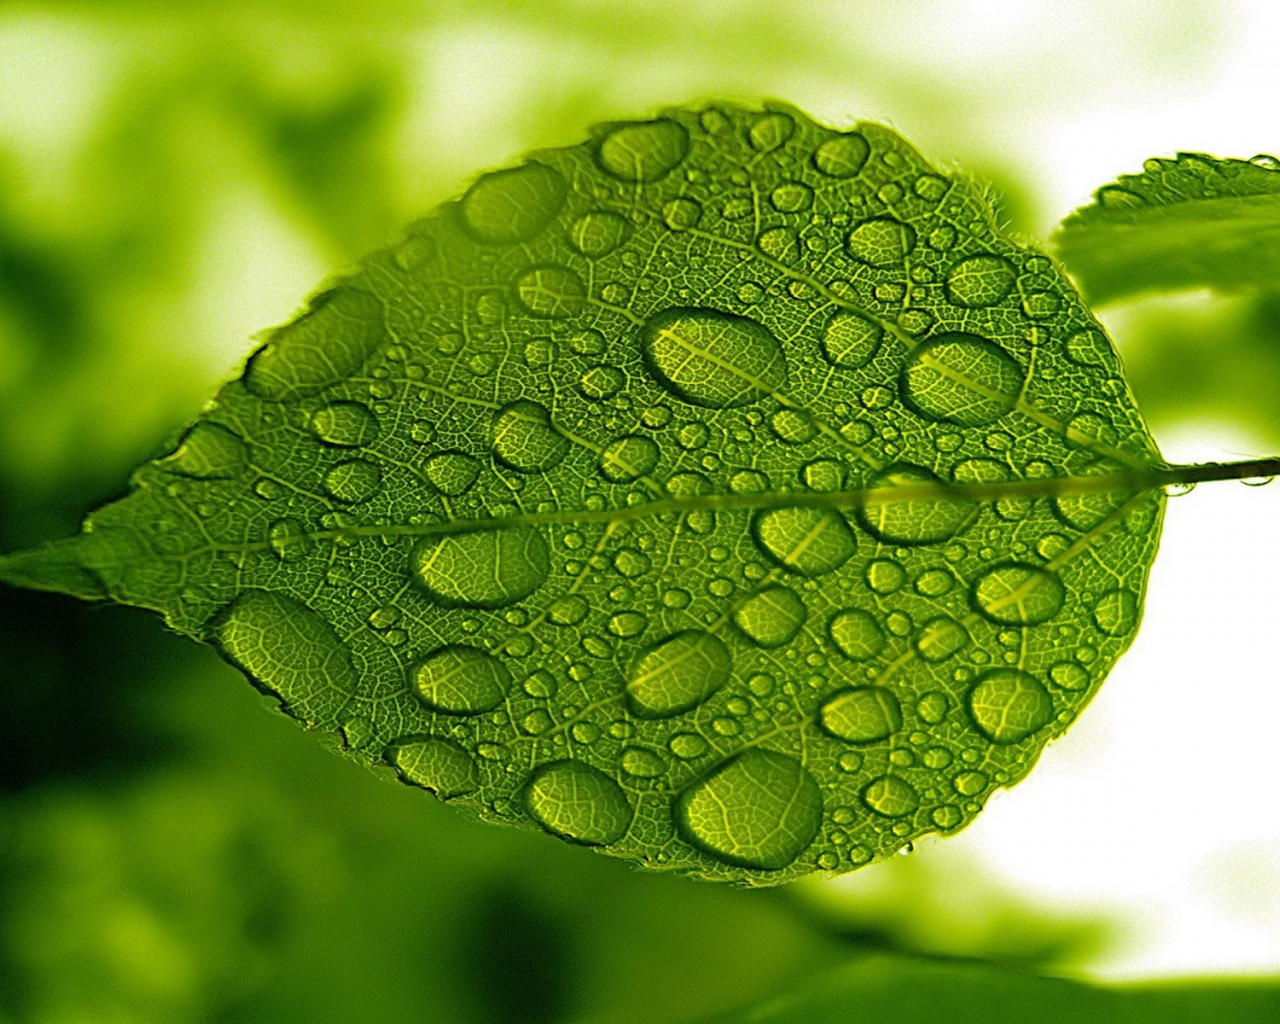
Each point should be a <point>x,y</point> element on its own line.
<point>1192,222</point>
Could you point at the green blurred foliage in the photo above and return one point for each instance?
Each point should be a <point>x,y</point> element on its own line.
<point>174,177</point>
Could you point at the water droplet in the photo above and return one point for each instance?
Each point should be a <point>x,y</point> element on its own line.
<point>525,439</point>
<point>207,452</point>
<point>793,426</point>
<point>438,765</point>
<point>678,674</point>
<point>513,205</point>
<point>353,481</point>
<point>946,816</point>
<point>806,541</point>
<point>681,214</point>
<point>644,151</point>
<point>980,281</point>
<point>759,809</point>
<point>885,576</point>
<point>772,617</point>
<point>629,458</point>
<point>862,714</point>
<point>970,783</point>
<point>1017,594</point>
<point>823,475</point>
<point>842,156</point>
<point>687,745</point>
<point>914,521</point>
<point>1089,347</point>
<point>713,359</point>
<point>1116,612</point>
<point>577,802</point>
<point>962,379</point>
<point>484,569</point>
<point>770,131</point>
<point>891,797</point>
<point>1069,676</point>
<point>791,197</point>
<point>932,708</point>
<point>550,291</point>
<point>289,651</point>
<point>451,473</point>
<point>779,244</point>
<point>460,680</point>
<point>940,638</point>
<point>1113,197</point>
<point>598,233</point>
<point>540,685</point>
<point>857,634</point>
<point>288,539</point>
<point>1041,305</point>
<point>628,624</point>
<point>328,343</point>
<point>600,382</point>
<point>1008,705</point>
<point>934,583</point>
<point>930,187</point>
<point>881,242</point>
<point>568,610</point>
<point>851,340</point>
<point>1085,511</point>
<point>642,763</point>
<point>345,424</point>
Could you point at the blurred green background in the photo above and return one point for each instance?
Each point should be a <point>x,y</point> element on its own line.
<point>177,176</point>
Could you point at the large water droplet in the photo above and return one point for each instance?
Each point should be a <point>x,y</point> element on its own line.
<point>772,617</point>
<point>914,521</point>
<point>514,205</point>
<point>328,343</point>
<point>345,424</point>
<point>805,541</point>
<point>460,680</point>
<point>451,473</point>
<point>891,797</point>
<point>851,340</point>
<point>862,714</point>
<point>629,458</point>
<point>1116,612</point>
<point>678,674</point>
<point>525,440</point>
<point>980,281</point>
<point>857,634</point>
<point>881,242</point>
<point>713,359</point>
<point>352,481</point>
<point>644,151</point>
<point>598,233</point>
<point>577,802</point>
<point>435,764</point>
<point>288,539</point>
<point>550,291</point>
<point>1017,594</point>
<point>760,809</point>
<point>290,651</point>
<point>207,452</point>
<point>842,156</point>
<point>484,569</point>
<point>961,378</point>
<point>1008,705</point>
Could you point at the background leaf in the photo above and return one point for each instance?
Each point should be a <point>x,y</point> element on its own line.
<point>551,506</point>
<point>1192,222</point>
<point>894,990</point>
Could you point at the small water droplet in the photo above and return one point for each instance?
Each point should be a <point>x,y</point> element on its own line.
<point>881,242</point>
<point>460,680</point>
<point>484,569</point>
<point>525,439</point>
<point>714,359</point>
<point>771,617</point>
<point>1017,594</point>
<point>863,714</point>
<point>805,541</point>
<point>1008,705</point>
<point>353,481</point>
<point>437,765</point>
<point>891,797</point>
<point>842,156</point>
<point>980,281</point>
<point>513,205</point>
<point>598,233</point>
<point>644,151</point>
<point>677,674</point>
<point>962,379</point>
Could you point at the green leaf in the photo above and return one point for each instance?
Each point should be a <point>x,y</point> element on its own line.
<point>898,990</point>
<point>726,493</point>
<point>1193,222</point>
